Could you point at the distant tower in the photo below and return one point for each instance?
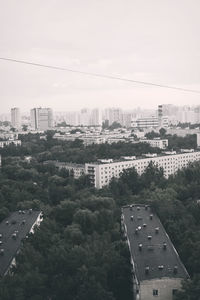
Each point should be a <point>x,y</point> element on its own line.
<point>96,117</point>
<point>41,118</point>
<point>15,118</point>
<point>160,111</point>
<point>198,140</point>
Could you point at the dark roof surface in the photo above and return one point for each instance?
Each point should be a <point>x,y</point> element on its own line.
<point>161,262</point>
<point>20,223</point>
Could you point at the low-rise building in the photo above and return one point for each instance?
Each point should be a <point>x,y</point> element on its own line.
<point>157,142</point>
<point>10,142</point>
<point>157,268</point>
<point>101,173</point>
<point>76,170</point>
<point>13,230</point>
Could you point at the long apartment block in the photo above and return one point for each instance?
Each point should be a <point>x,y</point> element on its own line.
<point>101,172</point>
<point>156,266</point>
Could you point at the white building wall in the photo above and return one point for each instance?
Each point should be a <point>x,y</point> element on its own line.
<point>103,173</point>
<point>198,139</point>
<point>164,286</point>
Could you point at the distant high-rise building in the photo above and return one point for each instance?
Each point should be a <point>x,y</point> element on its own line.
<point>15,117</point>
<point>114,115</point>
<point>84,117</point>
<point>96,117</point>
<point>41,118</point>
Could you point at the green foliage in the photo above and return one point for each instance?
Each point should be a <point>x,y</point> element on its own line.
<point>78,250</point>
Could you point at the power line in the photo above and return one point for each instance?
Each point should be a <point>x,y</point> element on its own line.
<point>99,75</point>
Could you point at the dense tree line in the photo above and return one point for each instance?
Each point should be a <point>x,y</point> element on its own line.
<point>78,252</point>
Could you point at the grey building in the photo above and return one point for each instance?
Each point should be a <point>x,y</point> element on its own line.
<point>157,268</point>
<point>13,230</point>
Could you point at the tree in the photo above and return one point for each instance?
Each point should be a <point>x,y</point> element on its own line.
<point>162,132</point>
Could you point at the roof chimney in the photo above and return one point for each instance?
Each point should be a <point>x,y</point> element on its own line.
<point>164,246</point>
<point>147,270</point>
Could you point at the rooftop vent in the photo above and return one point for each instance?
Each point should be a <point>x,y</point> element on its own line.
<point>161,267</point>
<point>151,217</point>
<point>144,225</point>
<point>147,270</point>
<point>157,230</point>
<point>7,222</point>
<point>146,207</point>
<point>131,207</point>
<point>175,270</point>
<point>136,231</point>
<point>23,222</point>
<point>131,218</point>
<point>0,236</point>
<point>1,243</point>
<point>164,246</point>
<point>138,208</point>
<point>1,251</point>
<point>140,247</point>
<point>149,237</point>
<point>139,227</point>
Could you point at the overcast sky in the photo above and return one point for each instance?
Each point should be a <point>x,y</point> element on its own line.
<point>148,40</point>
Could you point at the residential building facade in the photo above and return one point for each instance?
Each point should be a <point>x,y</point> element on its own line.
<point>101,173</point>
<point>41,118</point>
<point>15,117</point>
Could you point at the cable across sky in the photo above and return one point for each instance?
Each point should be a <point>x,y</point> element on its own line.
<point>98,75</point>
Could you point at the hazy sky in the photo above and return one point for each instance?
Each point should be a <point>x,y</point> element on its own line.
<point>148,40</point>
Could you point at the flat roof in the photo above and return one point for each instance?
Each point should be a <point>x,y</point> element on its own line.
<point>19,222</point>
<point>162,154</point>
<point>152,258</point>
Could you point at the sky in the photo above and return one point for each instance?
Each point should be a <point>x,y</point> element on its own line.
<point>146,40</point>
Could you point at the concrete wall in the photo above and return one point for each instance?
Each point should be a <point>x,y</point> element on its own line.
<point>164,286</point>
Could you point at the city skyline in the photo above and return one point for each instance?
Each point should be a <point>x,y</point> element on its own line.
<point>151,43</point>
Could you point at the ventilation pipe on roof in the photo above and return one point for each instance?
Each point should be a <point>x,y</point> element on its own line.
<point>140,247</point>
<point>147,270</point>
<point>175,270</point>
<point>164,246</point>
<point>151,217</point>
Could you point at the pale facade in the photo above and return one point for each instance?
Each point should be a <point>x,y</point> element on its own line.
<point>102,173</point>
<point>9,142</point>
<point>41,118</point>
<point>15,117</point>
<point>159,143</point>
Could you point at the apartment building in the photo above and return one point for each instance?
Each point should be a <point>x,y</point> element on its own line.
<point>159,143</point>
<point>41,118</point>
<point>101,173</point>
<point>13,230</point>
<point>15,117</point>
<point>76,170</point>
<point>156,267</point>
<point>10,142</point>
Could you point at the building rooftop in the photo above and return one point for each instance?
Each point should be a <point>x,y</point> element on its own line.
<point>12,231</point>
<point>152,251</point>
<point>144,156</point>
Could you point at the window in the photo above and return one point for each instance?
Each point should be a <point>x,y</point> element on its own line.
<point>174,291</point>
<point>155,292</point>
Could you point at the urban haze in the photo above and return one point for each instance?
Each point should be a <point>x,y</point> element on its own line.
<point>99,150</point>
